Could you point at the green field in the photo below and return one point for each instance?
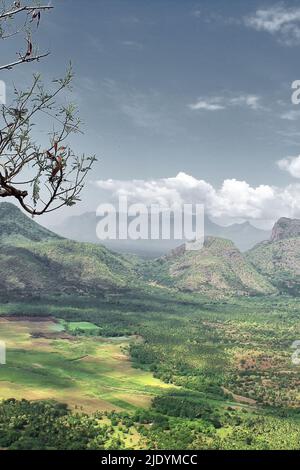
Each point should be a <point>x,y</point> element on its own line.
<point>82,325</point>
<point>85,372</point>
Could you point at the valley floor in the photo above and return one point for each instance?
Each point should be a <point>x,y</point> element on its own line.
<point>155,369</point>
<point>88,373</point>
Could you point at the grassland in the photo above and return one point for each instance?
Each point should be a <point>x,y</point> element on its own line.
<point>86,372</point>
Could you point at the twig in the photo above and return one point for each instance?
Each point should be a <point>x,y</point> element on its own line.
<point>25,8</point>
<point>22,61</point>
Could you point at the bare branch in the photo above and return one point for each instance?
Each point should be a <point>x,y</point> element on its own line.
<point>24,8</point>
<point>23,60</point>
<point>32,16</point>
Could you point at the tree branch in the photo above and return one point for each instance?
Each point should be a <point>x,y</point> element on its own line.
<point>54,177</point>
<point>23,61</point>
<point>25,8</point>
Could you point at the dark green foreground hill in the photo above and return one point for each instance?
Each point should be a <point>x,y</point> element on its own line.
<point>16,226</point>
<point>34,260</point>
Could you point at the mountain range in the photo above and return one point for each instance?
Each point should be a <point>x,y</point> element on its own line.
<point>34,260</point>
<point>82,228</point>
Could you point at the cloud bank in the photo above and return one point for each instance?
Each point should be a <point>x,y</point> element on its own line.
<point>217,103</point>
<point>278,20</point>
<point>233,201</point>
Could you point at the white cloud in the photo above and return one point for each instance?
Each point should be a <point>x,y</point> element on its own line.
<point>290,164</point>
<point>218,103</point>
<point>206,105</point>
<point>278,20</point>
<point>252,101</point>
<point>292,115</point>
<point>234,200</point>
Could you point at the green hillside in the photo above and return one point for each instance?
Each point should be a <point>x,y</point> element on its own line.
<point>16,226</point>
<point>218,269</point>
<point>62,266</point>
<point>35,260</point>
<point>279,261</point>
<point>279,258</point>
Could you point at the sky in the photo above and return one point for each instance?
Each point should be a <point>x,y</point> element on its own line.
<point>182,99</point>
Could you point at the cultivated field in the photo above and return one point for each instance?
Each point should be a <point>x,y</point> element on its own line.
<point>89,373</point>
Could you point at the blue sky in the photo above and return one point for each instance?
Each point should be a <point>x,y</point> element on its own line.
<point>168,87</point>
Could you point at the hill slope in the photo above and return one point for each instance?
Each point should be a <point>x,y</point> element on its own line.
<point>218,269</point>
<point>285,228</point>
<point>16,226</point>
<point>34,260</point>
<point>279,258</point>
<point>62,267</point>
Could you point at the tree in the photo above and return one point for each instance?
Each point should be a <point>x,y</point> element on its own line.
<point>40,179</point>
<point>10,26</point>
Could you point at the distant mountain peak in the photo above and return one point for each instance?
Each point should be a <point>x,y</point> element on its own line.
<point>285,228</point>
<point>83,228</point>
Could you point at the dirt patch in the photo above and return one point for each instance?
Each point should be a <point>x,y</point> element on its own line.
<point>121,357</point>
<point>255,361</point>
<point>79,358</point>
<point>24,318</point>
<point>239,398</point>
<point>58,335</point>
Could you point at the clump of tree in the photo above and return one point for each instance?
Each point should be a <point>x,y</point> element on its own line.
<point>47,425</point>
<point>42,178</point>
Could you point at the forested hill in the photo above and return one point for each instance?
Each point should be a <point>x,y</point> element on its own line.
<point>219,269</point>
<point>16,226</point>
<point>34,260</point>
<point>278,259</point>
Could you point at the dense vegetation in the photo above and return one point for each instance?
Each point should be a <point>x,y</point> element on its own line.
<point>279,262</point>
<point>218,269</point>
<point>16,226</point>
<point>62,266</point>
<point>231,360</point>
